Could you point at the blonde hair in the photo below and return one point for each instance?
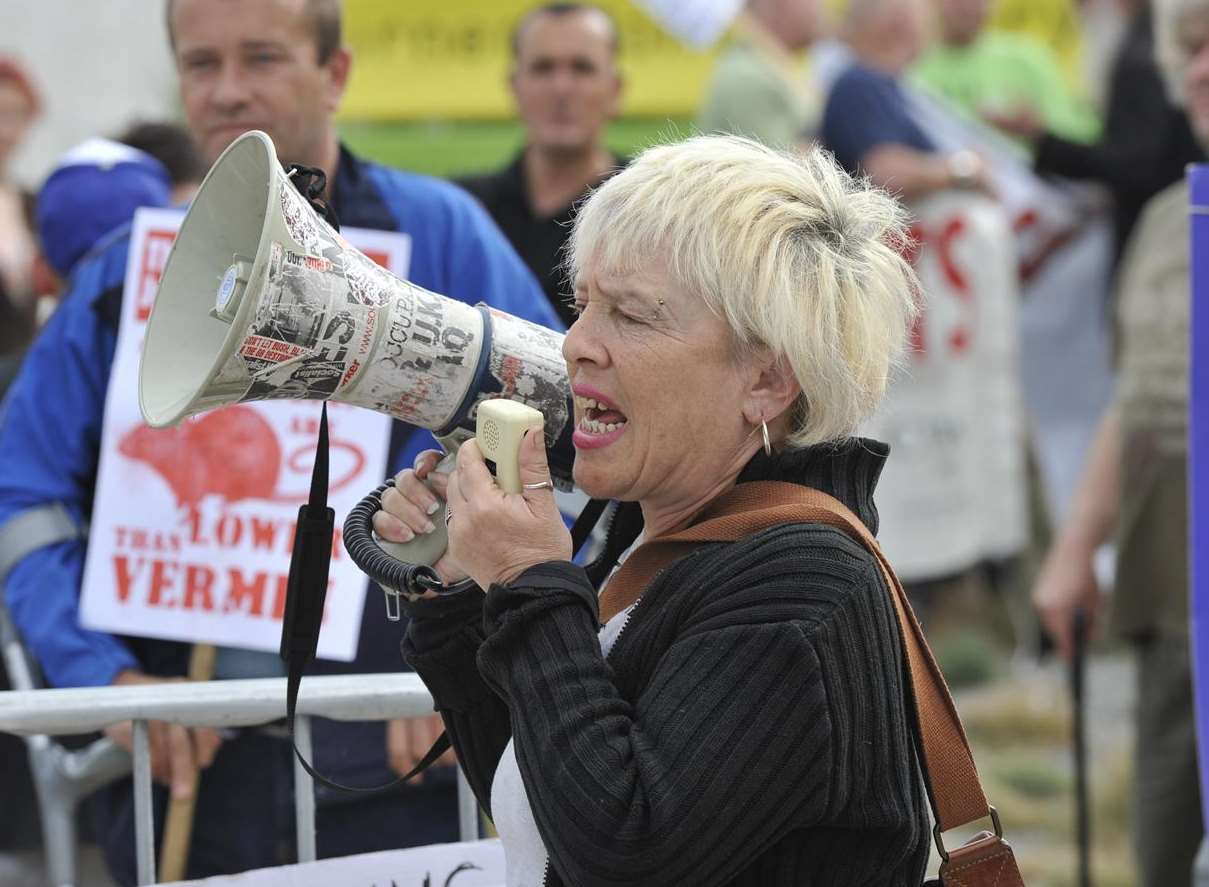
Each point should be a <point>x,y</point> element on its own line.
<point>796,255</point>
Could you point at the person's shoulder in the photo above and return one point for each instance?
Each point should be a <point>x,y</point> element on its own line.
<point>100,272</point>
<point>487,186</point>
<point>739,64</point>
<point>810,569</point>
<point>859,77</point>
<point>855,86</point>
<point>1164,221</point>
<point>1170,203</point>
<point>1156,257</point>
<point>1019,48</point>
<point>419,192</point>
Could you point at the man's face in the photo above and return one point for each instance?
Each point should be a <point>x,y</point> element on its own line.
<point>961,21</point>
<point>1194,44</point>
<point>912,29</point>
<point>253,64</point>
<point>566,85</point>
<point>801,22</point>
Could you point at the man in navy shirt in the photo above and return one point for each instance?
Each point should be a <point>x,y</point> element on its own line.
<point>866,120</point>
<point>278,66</point>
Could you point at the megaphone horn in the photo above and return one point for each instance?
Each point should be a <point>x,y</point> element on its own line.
<point>261,299</point>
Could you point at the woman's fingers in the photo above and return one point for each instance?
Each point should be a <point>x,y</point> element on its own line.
<point>424,493</point>
<point>473,477</point>
<point>425,462</point>
<point>402,518</point>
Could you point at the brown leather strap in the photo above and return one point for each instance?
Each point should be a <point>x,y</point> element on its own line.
<point>956,793</point>
<point>985,860</point>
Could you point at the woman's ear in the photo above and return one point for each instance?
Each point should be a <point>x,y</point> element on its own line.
<point>773,391</point>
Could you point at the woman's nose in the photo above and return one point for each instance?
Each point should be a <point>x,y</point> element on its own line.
<point>582,344</point>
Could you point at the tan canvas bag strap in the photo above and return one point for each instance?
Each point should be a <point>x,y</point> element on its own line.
<point>957,796</point>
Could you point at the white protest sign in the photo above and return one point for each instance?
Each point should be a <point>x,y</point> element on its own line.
<point>192,526</point>
<point>468,864</point>
<point>698,24</point>
<point>954,489</point>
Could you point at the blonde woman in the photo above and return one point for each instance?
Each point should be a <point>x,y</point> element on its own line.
<point>745,721</point>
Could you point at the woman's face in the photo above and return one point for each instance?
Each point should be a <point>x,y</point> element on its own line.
<point>659,392</point>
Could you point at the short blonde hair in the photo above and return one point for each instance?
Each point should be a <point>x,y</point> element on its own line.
<point>796,255</point>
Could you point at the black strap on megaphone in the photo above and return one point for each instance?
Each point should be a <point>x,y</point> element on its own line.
<point>306,591</point>
<point>311,182</point>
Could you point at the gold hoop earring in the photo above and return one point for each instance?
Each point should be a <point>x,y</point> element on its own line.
<point>767,442</point>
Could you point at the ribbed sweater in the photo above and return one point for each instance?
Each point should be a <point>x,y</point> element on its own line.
<point>750,726</point>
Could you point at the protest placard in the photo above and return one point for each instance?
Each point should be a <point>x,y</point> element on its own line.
<point>192,526</point>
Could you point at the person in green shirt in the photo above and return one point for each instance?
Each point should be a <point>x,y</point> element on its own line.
<point>991,74</point>
<point>758,88</point>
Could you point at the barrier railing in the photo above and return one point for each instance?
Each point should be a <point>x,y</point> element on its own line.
<point>219,704</point>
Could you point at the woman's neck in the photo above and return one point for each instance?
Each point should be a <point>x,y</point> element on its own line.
<point>661,516</point>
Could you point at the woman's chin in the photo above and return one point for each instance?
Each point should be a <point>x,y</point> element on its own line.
<point>597,481</point>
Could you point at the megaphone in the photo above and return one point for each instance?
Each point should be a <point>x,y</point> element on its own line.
<point>261,299</point>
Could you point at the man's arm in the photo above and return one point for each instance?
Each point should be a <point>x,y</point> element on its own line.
<point>910,173</point>
<point>1068,580</point>
<point>867,127</point>
<point>50,439</point>
<point>50,434</point>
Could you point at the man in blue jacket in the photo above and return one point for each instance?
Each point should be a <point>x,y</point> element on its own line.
<point>278,66</point>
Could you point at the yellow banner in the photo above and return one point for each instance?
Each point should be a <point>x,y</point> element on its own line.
<point>1053,23</point>
<point>450,60</point>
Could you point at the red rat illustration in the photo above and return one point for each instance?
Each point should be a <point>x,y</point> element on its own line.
<point>232,452</point>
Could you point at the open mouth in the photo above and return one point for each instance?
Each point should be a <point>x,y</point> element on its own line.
<point>597,417</point>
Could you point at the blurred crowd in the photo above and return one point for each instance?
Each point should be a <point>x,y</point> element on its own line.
<point>1072,185</point>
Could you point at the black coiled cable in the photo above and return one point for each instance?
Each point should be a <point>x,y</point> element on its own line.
<point>387,571</point>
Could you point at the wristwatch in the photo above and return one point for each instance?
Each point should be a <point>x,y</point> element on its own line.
<point>964,168</point>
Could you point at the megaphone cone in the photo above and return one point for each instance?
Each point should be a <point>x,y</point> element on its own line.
<point>262,299</point>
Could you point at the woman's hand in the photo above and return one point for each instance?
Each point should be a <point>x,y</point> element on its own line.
<point>410,506</point>
<point>496,536</point>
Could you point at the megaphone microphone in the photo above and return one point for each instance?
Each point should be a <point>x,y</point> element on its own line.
<point>261,299</point>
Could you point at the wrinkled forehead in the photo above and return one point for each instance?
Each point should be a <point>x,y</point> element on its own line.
<point>215,24</point>
<point>603,275</point>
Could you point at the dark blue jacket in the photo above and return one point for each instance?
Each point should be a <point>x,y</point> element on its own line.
<point>50,425</point>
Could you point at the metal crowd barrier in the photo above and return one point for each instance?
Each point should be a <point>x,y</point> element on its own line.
<point>220,704</point>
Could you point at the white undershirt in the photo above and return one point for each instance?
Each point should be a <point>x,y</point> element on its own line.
<point>524,853</point>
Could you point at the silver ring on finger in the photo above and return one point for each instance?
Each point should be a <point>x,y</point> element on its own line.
<point>544,485</point>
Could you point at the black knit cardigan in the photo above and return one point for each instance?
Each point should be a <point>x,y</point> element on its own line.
<point>749,727</point>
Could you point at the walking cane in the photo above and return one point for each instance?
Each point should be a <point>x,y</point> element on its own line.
<point>1082,811</point>
<point>178,827</point>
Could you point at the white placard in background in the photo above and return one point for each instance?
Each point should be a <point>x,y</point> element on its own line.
<point>954,491</point>
<point>192,526</point>
<point>468,864</point>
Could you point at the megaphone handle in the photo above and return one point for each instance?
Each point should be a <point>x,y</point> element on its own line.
<point>425,548</point>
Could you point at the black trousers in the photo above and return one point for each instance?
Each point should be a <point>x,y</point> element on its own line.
<point>244,816</point>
